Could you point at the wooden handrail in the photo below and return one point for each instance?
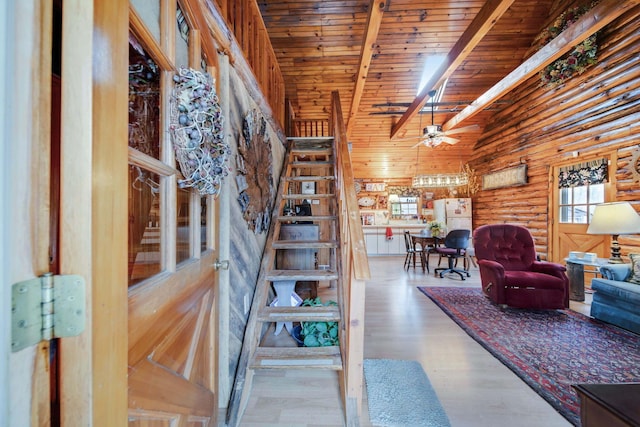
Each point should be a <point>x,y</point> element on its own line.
<point>347,192</point>
<point>310,127</point>
<point>354,270</point>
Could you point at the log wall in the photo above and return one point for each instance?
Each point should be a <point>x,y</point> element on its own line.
<point>594,115</point>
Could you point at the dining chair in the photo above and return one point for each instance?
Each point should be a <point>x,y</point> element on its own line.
<point>455,246</point>
<point>412,251</point>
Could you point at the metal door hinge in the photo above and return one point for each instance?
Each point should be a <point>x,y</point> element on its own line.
<point>46,307</point>
<point>224,265</point>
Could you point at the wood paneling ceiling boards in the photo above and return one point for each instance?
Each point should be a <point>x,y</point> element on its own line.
<point>373,52</point>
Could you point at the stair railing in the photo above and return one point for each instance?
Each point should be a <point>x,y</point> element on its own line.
<point>354,268</point>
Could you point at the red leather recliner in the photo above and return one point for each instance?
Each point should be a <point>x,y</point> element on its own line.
<point>510,273</point>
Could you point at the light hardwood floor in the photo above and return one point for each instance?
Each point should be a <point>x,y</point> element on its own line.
<point>475,389</point>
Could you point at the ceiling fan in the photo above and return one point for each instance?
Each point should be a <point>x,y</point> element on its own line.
<point>433,135</point>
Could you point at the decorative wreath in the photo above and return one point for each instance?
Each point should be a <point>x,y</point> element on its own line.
<point>198,137</point>
<point>575,62</point>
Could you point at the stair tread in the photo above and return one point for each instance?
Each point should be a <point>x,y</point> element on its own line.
<point>306,218</point>
<point>312,164</point>
<point>308,196</point>
<point>303,244</point>
<point>312,151</point>
<point>300,275</point>
<point>297,358</point>
<point>310,139</point>
<point>310,178</point>
<point>330,313</point>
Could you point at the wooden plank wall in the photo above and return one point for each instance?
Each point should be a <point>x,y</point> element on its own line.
<point>595,114</point>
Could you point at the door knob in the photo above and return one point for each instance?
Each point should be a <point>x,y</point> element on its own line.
<point>221,264</point>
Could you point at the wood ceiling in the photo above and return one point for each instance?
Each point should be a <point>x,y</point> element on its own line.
<point>320,46</point>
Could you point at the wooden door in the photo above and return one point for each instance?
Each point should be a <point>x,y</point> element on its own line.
<point>172,362</point>
<point>172,248</point>
<point>574,237</point>
<point>570,235</point>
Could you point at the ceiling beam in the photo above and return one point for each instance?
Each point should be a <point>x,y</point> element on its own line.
<point>376,10</point>
<point>479,27</point>
<point>589,23</point>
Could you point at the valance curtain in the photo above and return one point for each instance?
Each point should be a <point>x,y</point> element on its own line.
<point>404,191</point>
<point>587,173</point>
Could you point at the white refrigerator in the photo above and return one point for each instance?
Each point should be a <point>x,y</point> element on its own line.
<point>455,213</point>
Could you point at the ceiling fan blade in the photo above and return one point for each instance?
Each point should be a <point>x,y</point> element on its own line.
<point>462,129</point>
<point>449,140</point>
<point>419,143</point>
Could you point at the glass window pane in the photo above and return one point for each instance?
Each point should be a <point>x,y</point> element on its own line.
<point>149,12</point>
<point>565,214</point>
<point>182,229</point>
<point>144,224</point>
<point>182,37</point>
<point>580,214</point>
<point>144,101</point>
<point>596,193</point>
<point>580,194</point>
<point>565,196</point>
<point>203,224</point>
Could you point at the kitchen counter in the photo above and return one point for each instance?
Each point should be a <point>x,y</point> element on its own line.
<point>377,242</point>
<point>407,226</point>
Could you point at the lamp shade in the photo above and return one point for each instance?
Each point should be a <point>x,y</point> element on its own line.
<point>614,218</point>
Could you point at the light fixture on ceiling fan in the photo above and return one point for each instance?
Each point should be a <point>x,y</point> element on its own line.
<point>433,135</point>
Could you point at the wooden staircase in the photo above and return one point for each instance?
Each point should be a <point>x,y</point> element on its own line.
<point>316,169</point>
<point>309,161</point>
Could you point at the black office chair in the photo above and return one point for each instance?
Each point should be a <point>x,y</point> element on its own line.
<point>455,246</point>
<point>412,251</point>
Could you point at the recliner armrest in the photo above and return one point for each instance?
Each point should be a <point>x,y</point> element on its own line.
<point>550,268</point>
<point>492,277</point>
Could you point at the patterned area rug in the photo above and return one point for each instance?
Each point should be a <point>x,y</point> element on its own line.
<point>394,387</point>
<point>549,349</point>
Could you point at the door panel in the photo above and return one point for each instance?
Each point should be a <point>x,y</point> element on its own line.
<point>172,364</point>
<point>574,237</point>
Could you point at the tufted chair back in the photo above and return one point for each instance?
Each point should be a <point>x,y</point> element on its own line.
<point>508,244</point>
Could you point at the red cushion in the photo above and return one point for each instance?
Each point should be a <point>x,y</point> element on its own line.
<point>530,279</point>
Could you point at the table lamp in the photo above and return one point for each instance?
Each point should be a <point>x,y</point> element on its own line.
<point>614,218</point>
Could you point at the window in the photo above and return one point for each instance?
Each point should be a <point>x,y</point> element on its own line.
<point>431,65</point>
<point>168,225</point>
<point>578,203</point>
<point>405,206</point>
<point>581,188</point>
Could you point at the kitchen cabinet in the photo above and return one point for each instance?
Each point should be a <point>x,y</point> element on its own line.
<point>371,243</point>
<point>394,246</point>
<point>376,242</point>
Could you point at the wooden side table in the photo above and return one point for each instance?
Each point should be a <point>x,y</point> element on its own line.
<point>575,273</point>
<point>610,405</point>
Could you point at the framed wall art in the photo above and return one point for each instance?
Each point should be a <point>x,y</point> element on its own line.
<point>308,187</point>
<point>509,177</point>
